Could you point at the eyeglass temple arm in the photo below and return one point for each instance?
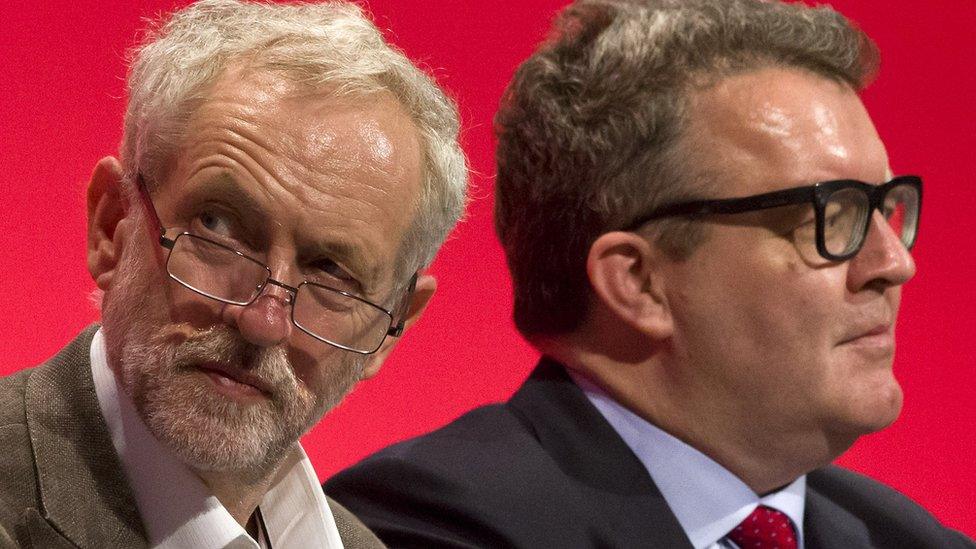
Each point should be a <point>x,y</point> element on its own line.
<point>151,208</point>
<point>396,330</point>
<point>763,201</point>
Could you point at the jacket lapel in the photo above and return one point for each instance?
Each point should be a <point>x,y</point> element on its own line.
<point>83,489</point>
<point>43,534</point>
<point>826,524</point>
<point>625,503</point>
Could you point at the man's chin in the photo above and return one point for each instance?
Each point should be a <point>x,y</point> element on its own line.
<point>223,447</point>
<point>877,407</point>
<point>210,431</point>
<point>217,418</point>
<point>888,409</point>
<point>231,460</point>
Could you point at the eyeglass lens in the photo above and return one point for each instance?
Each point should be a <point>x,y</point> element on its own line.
<point>222,273</point>
<point>847,216</point>
<point>216,271</point>
<point>339,318</point>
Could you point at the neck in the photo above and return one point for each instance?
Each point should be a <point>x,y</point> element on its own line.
<point>241,492</point>
<point>764,454</point>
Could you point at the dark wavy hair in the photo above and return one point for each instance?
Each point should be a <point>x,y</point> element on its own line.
<point>589,127</point>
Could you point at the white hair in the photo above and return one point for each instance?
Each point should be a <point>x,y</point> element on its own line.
<point>329,45</point>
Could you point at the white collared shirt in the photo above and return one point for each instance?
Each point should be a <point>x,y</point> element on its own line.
<point>707,499</point>
<point>178,510</point>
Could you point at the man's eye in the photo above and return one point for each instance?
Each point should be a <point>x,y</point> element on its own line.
<point>805,231</point>
<point>330,271</point>
<point>832,221</point>
<point>215,222</point>
<point>804,224</point>
<point>787,220</point>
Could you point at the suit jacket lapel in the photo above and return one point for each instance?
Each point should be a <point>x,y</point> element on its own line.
<point>827,525</point>
<point>587,449</point>
<point>83,489</point>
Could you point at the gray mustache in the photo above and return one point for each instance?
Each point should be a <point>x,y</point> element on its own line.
<point>221,345</point>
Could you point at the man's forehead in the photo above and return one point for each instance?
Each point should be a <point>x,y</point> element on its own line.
<point>279,101</point>
<point>348,169</point>
<point>771,103</point>
<point>783,118</point>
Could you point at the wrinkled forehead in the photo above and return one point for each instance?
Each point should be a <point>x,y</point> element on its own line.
<point>322,164</point>
<point>303,115</point>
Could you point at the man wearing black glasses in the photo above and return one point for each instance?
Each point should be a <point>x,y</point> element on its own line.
<point>708,246</point>
<point>284,177</point>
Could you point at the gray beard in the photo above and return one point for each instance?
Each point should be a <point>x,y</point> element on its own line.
<point>210,432</point>
<point>155,362</point>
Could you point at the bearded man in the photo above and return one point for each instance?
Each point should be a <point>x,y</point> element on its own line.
<point>283,178</point>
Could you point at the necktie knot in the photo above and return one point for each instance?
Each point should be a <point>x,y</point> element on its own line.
<point>765,528</point>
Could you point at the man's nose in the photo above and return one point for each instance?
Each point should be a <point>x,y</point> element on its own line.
<point>882,260</point>
<point>266,321</point>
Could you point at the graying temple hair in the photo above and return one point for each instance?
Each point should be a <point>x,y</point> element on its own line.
<point>589,129</point>
<point>331,46</point>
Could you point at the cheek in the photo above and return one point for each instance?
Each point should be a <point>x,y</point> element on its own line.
<point>137,295</point>
<point>768,306</point>
<point>315,363</point>
<point>305,357</point>
<point>796,302</point>
<point>802,319</point>
<point>190,308</point>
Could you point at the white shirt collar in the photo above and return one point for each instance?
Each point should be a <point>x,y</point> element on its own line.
<point>707,499</point>
<point>176,507</point>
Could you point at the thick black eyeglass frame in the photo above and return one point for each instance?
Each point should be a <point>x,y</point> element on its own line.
<point>394,330</point>
<point>817,195</point>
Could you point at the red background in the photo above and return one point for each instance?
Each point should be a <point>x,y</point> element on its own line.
<point>61,105</point>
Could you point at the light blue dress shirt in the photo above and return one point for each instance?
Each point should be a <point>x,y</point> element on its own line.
<point>707,499</point>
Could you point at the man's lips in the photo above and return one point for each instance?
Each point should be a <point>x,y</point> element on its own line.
<point>234,380</point>
<point>880,335</point>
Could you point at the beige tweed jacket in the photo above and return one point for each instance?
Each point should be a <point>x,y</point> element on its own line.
<point>61,483</point>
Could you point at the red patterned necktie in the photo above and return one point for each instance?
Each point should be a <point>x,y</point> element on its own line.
<point>765,528</point>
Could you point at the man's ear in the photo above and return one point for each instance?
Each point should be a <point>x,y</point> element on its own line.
<point>108,206</point>
<point>418,300</point>
<point>627,281</point>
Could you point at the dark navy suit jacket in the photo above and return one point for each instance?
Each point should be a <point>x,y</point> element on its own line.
<point>546,470</point>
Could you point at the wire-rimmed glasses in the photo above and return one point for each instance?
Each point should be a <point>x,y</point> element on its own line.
<point>842,210</point>
<point>222,273</point>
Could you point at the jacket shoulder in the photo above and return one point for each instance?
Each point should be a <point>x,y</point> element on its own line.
<point>890,518</point>
<point>459,449</point>
<point>12,390</point>
<point>450,487</point>
<point>18,472</point>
